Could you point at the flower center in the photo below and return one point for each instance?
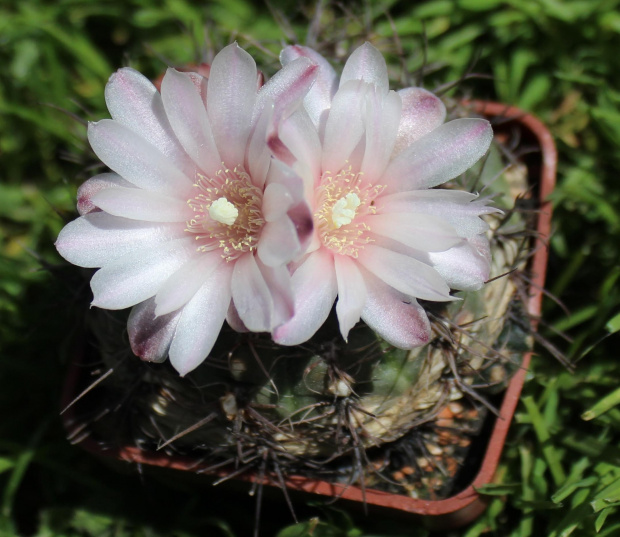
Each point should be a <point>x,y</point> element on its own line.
<point>228,213</point>
<point>344,201</point>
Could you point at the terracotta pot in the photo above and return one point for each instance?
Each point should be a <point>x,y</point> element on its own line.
<point>467,504</point>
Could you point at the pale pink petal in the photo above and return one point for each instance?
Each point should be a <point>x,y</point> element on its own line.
<point>382,116</point>
<point>134,102</point>
<point>422,112</point>
<point>231,94</point>
<point>138,275</point>
<point>136,160</point>
<point>287,88</point>
<point>99,238</point>
<point>150,336</point>
<point>419,231</point>
<point>93,185</point>
<point>278,279</point>
<point>460,209</point>
<point>397,318</point>
<point>367,64</point>
<point>465,267</point>
<point>138,204</point>
<point>277,200</point>
<point>405,274</point>
<point>351,293</point>
<point>278,243</point>
<point>345,125</point>
<point>318,100</point>
<point>188,118</point>
<point>233,319</point>
<point>201,321</point>
<point>314,288</point>
<point>443,154</point>
<point>259,154</point>
<point>179,288</point>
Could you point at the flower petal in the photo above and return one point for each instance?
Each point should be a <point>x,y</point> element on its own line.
<point>277,200</point>
<point>231,94</point>
<point>259,153</point>
<point>351,293</point>
<point>136,160</point>
<point>93,185</point>
<point>397,318</point>
<point>189,120</point>
<point>318,100</point>
<point>444,153</point>
<point>201,321</point>
<point>138,204</point>
<point>367,64</point>
<point>465,267</point>
<point>150,336</point>
<point>278,243</point>
<point>422,112</point>
<point>314,288</point>
<point>138,275</point>
<point>405,274</point>
<point>179,288</point>
<point>99,238</point>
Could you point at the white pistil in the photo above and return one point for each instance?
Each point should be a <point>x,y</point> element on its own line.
<point>343,211</point>
<point>223,211</point>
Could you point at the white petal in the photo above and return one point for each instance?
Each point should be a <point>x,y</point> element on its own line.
<point>150,337</point>
<point>278,244</point>
<point>259,154</point>
<point>444,153</point>
<point>277,200</point>
<point>351,293</point>
<point>314,288</point>
<point>231,94</point>
<point>201,321</point>
<point>278,279</point>
<point>405,274</point>
<point>318,100</point>
<point>93,185</point>
<point>138,204</point>
<point>99,238</point>
<point>135,103</point>
<point>397,318</point>
<point>366,63</point>
<point>419,231</point>
<point>179,289</point>
<point>422,112</point>
<point>465,267</point>
<point>382,116</point>
<point>189,120</point>
<point>138,275</point>
<point>136,160</point>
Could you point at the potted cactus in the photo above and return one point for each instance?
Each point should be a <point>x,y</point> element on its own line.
<point>378,278</point>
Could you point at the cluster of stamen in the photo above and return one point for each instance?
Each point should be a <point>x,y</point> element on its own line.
<point>228,213</point>
<point>343,202</point>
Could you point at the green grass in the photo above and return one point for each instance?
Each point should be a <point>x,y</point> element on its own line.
<point>560,472</point>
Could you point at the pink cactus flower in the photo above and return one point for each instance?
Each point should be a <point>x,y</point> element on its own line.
<point>383,236</point>
<point>197,222</point>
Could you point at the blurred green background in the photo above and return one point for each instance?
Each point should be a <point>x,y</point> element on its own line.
<point>560,59</point>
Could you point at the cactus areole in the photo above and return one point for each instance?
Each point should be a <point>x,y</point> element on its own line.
<point>340,283</point>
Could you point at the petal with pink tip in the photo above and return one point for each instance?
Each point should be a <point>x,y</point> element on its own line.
<point>441,155</point>
<point>315,289</point>
<point>137,276</point>
<point>188,118</point>
<point>351,293</point>
<point>397,318</point>
<point>138,204</point>
<point>465,267</point>
<point>201,321</point>
<point>419,231</point>
<point>405,274</point>
<point>367,64</point>
<point>136,160</point>
<point>150,336</point>
<point>179,288</point>
<point>318,100</point>
<point>231,94</point>
<point>422,112</point>
<point>99,238</point>
<point>93,185</point>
